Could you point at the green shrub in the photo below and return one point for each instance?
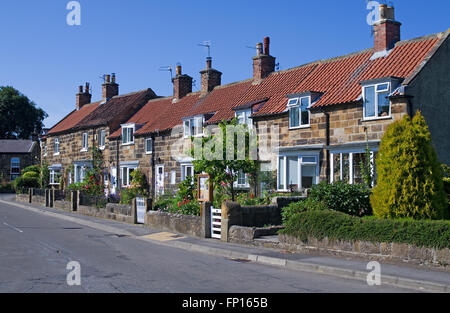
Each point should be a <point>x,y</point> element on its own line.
<point>163,203</point>
<point>6,188</point>
<point>33,168</point>
<point>409,175</point>
<point>343,197</point>
<point>302,206</point>
<point>22,183</point>
<point>30,175</point>
<point>333,225</point>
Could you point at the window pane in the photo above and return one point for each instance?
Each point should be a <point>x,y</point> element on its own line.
<point>292,173</point>
<point>293,117</point>
<point>346,167</point>
<point>337,167</point>
<point>192,125</point>
<point>130,130</point>
<point>148,146</point>
<point>293,102</point>
<point>357,169</point>
<point>369,101</point>
<point>186,128</point>
<point>383,104</point>
<point>308,175</point>
<point>189,171</point>
<point>281,173</point>
<point>383,87</point>
<point>305,111</point>
<point>309,160</point>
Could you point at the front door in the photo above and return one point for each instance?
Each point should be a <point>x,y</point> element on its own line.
<point>113,181</point>
<point>159,180</point>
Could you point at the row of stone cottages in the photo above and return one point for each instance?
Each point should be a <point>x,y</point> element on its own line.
<point>316,116</point>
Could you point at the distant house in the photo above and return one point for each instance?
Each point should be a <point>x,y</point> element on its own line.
<point>15,155</point>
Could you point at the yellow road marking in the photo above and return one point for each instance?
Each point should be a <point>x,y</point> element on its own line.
<point>164,236</point>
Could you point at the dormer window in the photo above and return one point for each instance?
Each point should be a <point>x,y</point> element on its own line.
<point>244,118</point>
<point>128,134</point>
<point>193,127</point>
<point>376,101</point>
<point>299,115</point>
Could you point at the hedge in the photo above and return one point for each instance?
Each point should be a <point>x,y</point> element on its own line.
<point>339,226</point>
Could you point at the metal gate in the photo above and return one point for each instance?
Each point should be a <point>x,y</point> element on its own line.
<point>140,210</point>
<point>216,223</point>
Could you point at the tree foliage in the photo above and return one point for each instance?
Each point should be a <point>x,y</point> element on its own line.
<point>409,174</point>
<point>20,118</point>
<point>223,169</point>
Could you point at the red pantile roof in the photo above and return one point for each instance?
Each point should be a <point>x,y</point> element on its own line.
<point>119,107</point>
<point>338,80</point>
<point>73,118</point>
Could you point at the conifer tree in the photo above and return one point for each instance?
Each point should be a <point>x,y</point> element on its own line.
<point>409,174</point>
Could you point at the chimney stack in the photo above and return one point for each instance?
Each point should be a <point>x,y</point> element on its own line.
<point>182,84</point>
<point>210,77</point>
<point>386,30</point>
<point>263,62</point>
<point>83,97</point>
<point>110,88</point>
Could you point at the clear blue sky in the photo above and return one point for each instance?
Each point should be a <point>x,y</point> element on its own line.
<point>46,59</point>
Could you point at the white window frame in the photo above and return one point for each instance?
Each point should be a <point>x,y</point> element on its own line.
<point>53,175</point>
<point>300,156</point>
<point>84,168</point>
<point>15,164</point>
<point>375,86</point>
<point>350,152</point>
<point>188,124</point>
<point>84,142</point>
<point>246,184</point>
<point>45,149</point>
<point>245,115</point>
<point>56,144</point>
<point>297,103</point>
<point>184,168</point>
<point>129,141</point>
<point>102,140</point>
<point>151,150</point>
<point>127,168</point>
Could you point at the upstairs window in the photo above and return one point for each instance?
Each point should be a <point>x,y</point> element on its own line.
<point>84,142</point>
<point>244,118</point>
<point>56,148</point>
<point>45,149</point>
<point>193,126</point>
<point>148,146</point>
<point>376,101</point>
<point>102,139</point>
<point>299,114</point>
<point>127,134</point>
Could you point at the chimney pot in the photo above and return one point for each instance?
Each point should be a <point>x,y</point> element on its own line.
<point>208,62</point>
<point>178,70</point>
<point>80,89</point>
<point>267,45</point>
<point>113,78</point>
<point>386,30</point>
<point>259,49</point>
<point>107,78</point>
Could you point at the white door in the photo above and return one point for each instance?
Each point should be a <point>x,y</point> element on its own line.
<point>113,184</point>
<point>159,180</point>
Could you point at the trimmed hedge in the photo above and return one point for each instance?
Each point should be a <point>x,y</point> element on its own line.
<point>339,226</point>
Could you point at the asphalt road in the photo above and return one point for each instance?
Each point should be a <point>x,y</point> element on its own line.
<point>35,250</point>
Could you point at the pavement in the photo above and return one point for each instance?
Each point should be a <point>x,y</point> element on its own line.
<point>208,265</point>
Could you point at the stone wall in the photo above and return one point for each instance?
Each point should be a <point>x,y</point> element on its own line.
<point>26,159</point>
<point>183,224</point>
<point>117,212</point>
<point>373,251</point>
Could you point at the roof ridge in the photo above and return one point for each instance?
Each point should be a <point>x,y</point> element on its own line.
<point>439,35</point>
<point>131,93</point>
<point>233,83</point>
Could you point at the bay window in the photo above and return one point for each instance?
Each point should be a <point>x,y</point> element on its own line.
<point>347,166</point>
<point>297,171</point>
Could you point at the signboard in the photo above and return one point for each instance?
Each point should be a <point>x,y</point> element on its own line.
<point>204,188</point>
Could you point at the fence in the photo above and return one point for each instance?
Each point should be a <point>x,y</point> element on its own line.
<point>39,192</point>
<point>62,195</point>
<point>93,201</point>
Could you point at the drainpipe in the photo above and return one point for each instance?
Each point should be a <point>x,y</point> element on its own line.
<point>118,184</point>
<point>327,128</point>
<point>152,166</point>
